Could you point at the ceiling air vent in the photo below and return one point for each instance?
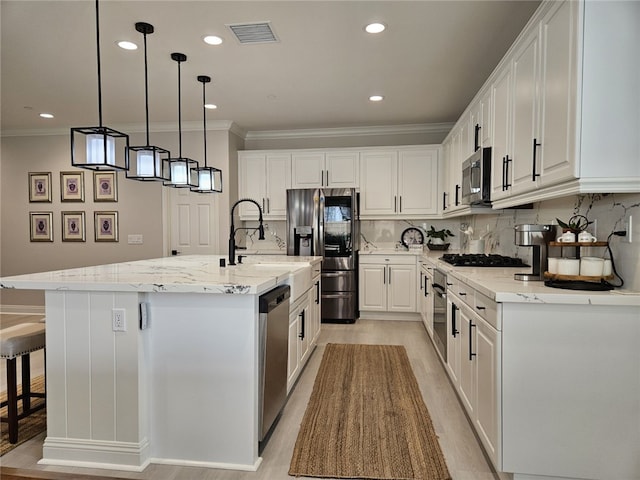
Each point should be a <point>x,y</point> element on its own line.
<point>259,32</point>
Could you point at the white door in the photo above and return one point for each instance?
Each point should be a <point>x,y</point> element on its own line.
<point>373,287</point>
<point>343,170</point>
<point>502,167</point>
<point>402,288</point>
<point>307,170</point>
<point>378,183</point>
<point>418,182</point>
<point>467,360</point>
<point>193,222</point>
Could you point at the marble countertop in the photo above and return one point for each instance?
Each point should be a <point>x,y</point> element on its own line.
<point>499,285</point>
<point>180,274</point>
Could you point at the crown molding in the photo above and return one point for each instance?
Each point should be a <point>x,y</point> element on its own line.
<point>420,128</point>
<point>217,125</point>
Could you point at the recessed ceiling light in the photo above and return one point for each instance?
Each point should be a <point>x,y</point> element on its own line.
<point>46,115</point>
<point>376,98</point>
<point>375,28</point>
<point>127,45</point>
<point>210,106</point>
<point>212,40</point>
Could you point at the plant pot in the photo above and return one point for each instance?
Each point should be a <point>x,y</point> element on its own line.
<point>437,246</point>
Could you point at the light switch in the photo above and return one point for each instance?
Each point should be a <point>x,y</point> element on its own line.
<point>134,239</point>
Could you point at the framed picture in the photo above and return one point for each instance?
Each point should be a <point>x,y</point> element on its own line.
<point>40,187</point>
<point>41,226</point>
<point>72,186</point>
<point>73,227</point>
<point>106,226</point>
<point>105,187</point>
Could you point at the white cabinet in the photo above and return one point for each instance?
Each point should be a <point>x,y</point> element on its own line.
<point>557,116</point>
<point>333,169</point>
<point>399,182</point>
<point>388,283</point>
<point>265,178</point>
<point>425,296</point>
<point>474,361</point>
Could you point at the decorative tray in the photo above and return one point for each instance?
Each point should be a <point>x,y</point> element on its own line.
<point>440,246</point>
<point>584,278</point>
<point>577,244</point>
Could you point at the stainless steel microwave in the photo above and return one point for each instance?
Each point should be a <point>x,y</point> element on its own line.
<point>476,178</point>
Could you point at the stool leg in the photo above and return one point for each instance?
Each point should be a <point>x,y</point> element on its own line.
<point>12,400</point>
<point>26,383</point>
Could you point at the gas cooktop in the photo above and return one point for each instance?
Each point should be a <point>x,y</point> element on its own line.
<point>482,260</point>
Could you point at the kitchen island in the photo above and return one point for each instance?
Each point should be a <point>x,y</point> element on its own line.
<point>181,388</point>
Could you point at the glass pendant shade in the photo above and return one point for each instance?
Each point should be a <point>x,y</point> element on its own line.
<point>99,148</point>
<point>151,162</point>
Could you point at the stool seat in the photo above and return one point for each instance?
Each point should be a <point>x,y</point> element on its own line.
<point>19,336</point>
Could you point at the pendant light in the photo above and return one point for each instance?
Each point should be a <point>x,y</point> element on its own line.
<point>209,178</point>
<point>182,171</point>
<point>147,162</point>
<point>99,148</point>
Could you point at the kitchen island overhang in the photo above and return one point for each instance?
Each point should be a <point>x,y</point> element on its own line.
<point>182,391</point>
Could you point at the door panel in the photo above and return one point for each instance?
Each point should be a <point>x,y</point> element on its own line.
<point>194,222</point>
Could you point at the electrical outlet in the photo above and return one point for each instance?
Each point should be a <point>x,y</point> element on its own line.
<point>119,320</point>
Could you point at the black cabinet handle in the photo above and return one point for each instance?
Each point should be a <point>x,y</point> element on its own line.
<point>471,354</point>
<point>400,203</point>
<point>476,142</point>
<point>504,173</point>
<point>301,334</point>
<point>318,292</point>
<point>444,201</point>
<point>454,330</point>
<point>507,185</point>
<point>421,285</point>
<point>389,274</point>
<point>462,294</point>
<point>457,193</point>
<point>384,275</point>
<point>481,308</point>
<point>535,148</point>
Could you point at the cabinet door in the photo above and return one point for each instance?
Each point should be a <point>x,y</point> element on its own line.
<point>401,288</point>
<point>305,320</point>
<point>489,386</point>
<point>486,127</point>
<point>452,201</point>
<point>378,183</point>
<point>307,170</point>
<point>252,183</point>
<point>373,287</point>
<point>502,164</point>
<point>278,175</point>
<point>294,353</point>
<point>558,94</point>
<point>342,169</point>
<point>418,182</point>
<point>467,360</point>
<point>453,341</point>
<point>524,113</point>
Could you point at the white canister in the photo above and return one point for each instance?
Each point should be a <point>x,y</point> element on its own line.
<point>568,266</point>
<point>591,266</point>
<point>553,264</point>
<point>607,268</point>
<point>476,246</point>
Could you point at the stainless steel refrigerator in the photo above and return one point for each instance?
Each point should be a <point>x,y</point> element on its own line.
<point>324,222</point>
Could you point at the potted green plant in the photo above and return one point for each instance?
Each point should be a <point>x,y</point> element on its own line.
<point>576,224</point>
<point>438,238</point>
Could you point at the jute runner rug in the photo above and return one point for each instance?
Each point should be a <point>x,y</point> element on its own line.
<point>29,426</point>
<point>366,419</point>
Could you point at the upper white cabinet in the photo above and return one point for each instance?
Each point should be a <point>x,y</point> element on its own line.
<point>265,178</point>
<point>399,182</point>
<point>563,123</point>
<point>333,169</point>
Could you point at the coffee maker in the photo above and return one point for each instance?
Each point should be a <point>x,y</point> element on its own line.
<point>537,237</point>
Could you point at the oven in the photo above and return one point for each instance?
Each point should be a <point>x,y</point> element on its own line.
<point>439,288</point>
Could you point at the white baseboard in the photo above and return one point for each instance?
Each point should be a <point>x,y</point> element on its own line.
<point>86,453</point>
<point>410,317</point>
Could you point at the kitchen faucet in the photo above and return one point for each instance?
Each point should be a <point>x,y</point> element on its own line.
<point>232,235</point>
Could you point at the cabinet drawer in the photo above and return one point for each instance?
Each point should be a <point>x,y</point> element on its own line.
<point>387,259</point>
<point>487,309</point>
<point>460,290</point>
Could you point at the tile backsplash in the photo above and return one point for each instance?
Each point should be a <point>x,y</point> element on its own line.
<point>607,211</point>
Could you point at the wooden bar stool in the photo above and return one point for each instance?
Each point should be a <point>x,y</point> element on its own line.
<point>19,336</point>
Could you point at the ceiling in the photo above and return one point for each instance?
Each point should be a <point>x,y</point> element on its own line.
<point>428,64</point>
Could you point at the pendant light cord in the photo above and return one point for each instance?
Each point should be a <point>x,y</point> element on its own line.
<point>179,114</point>
<point>204,122</point>
<point>98,57</point>
<point>146,87</point>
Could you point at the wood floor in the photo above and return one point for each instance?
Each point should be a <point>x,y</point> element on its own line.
<point>462,452</point>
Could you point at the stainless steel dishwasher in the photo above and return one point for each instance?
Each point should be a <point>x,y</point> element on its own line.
<point>273,355</point>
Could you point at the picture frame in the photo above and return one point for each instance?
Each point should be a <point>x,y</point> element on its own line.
<point>105,187</point>
<point>39,187</point>
<point>73,227</point>
<point>41,226</point>
<point>72,186</point>
<point>106,226</point>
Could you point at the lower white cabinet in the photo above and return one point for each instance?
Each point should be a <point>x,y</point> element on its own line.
<point>425,297</point>
<point>388,283</point>
<point>474,362</point>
